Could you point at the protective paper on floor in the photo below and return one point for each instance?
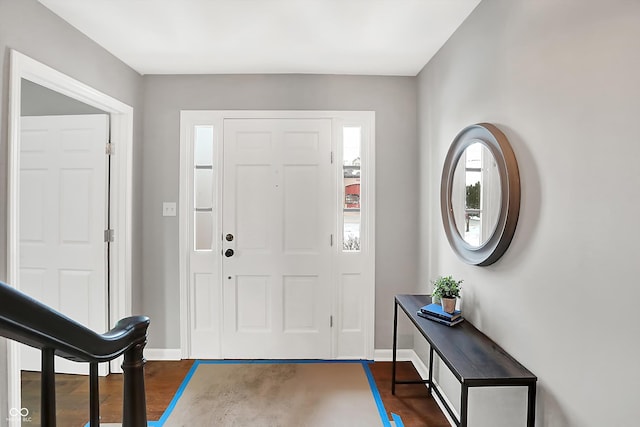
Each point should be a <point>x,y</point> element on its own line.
<point>276,394</point>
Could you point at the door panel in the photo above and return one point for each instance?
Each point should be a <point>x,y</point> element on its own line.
<point>278,204</point>
<point>253,304</point>
<point>302,224</point>
<point>63,191</point>
<point>253,195</point>
<point>298,293</point>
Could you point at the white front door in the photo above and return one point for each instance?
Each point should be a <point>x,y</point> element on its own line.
<point>278,215</point>
<point>63,215</point>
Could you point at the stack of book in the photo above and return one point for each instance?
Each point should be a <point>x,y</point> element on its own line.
<point>437,314</point>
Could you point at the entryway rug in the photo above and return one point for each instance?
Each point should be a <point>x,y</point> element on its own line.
<point>268,393</point>
<point>277,393</point>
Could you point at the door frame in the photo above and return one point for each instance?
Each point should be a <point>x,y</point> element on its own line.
<point>191,118</point>
<point>121,130</point>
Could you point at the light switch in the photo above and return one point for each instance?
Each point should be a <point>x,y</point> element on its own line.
<point>169,209</point>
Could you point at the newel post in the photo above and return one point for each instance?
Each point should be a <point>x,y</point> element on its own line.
<point>134,406</point>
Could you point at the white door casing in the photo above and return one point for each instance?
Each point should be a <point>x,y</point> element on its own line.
<point>352,273</point>
<point>277,205</point>
<point>63,206</point>
<point>121,131</point>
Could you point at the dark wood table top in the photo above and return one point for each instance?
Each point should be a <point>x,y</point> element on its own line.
<point>471,356</point>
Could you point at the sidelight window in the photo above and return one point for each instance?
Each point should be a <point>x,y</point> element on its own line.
<point>351,164</point>
<point>203,180</point>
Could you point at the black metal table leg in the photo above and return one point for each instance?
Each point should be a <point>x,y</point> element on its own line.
<point>395,347</point>
<point>464,402</point>
<point>430,383</point>
<point>531,406</point>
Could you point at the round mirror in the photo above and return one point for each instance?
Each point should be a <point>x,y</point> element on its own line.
<point>480,194</point>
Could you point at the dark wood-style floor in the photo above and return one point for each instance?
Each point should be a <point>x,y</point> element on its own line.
<point>162,379</point>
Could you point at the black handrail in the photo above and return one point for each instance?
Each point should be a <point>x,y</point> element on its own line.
<point>30,322</point>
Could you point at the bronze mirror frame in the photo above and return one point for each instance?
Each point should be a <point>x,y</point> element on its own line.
<point>494,247</point>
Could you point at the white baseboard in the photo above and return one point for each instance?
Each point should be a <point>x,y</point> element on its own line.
<point>420,366</point>
<point>402,355</point>
<point>408,355</point>
<point>163,354</point>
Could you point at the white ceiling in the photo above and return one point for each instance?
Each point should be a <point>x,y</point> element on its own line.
<point>371,37</point>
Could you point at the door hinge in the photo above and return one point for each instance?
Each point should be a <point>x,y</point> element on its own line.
<point>109,235</point>
<point>332,157</point>
<point>109,150</point>
<point>331,321</point>
<point>330,239</point>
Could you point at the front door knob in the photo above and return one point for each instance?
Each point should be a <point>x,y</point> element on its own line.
<point>228,253</point>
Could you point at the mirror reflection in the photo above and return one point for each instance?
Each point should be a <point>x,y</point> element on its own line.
<point>476,194</point>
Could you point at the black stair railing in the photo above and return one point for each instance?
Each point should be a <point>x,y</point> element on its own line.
<point>30,322</point>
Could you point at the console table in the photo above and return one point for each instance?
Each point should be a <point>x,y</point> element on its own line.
<point>473,358</point>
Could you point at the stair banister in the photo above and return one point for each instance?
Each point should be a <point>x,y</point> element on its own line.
<point>28,321</point>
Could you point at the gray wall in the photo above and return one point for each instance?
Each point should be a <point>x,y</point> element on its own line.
<point>28,27</point>
<point>561,79</point>
<point>392,98</point>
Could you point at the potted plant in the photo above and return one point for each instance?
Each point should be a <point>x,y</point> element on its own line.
<point>447,289</point>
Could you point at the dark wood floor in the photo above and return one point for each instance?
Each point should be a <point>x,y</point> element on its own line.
<point>162,379</point>
<point>411,401</point>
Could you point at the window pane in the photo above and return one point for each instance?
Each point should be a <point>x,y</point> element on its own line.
<point>351,231</point>
<point>473,191</point>
<point>203,230</point>
<point>203,146</point>
<point>203,183</point>
<point>351,138</point>
<point>472,228</point>
<point>351,159</point>
<point>473,154</point>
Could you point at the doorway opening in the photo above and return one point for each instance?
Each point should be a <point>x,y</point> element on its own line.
<point>120,127</point>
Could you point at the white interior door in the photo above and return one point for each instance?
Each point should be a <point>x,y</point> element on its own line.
<point>63,215</point>
<point>278,214</point>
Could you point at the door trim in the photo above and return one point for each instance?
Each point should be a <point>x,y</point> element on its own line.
<point>121,128</point>
<point>191,118</point>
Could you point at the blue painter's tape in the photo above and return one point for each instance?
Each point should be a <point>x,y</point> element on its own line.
<point>149,424</point>
<point>276,361</point>
<point>178,394</point>
<point>376,395</point>
<point>397,420</point>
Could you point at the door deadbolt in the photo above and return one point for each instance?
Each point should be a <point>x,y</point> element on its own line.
<point>229,237</point>
<point>228,253</point>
